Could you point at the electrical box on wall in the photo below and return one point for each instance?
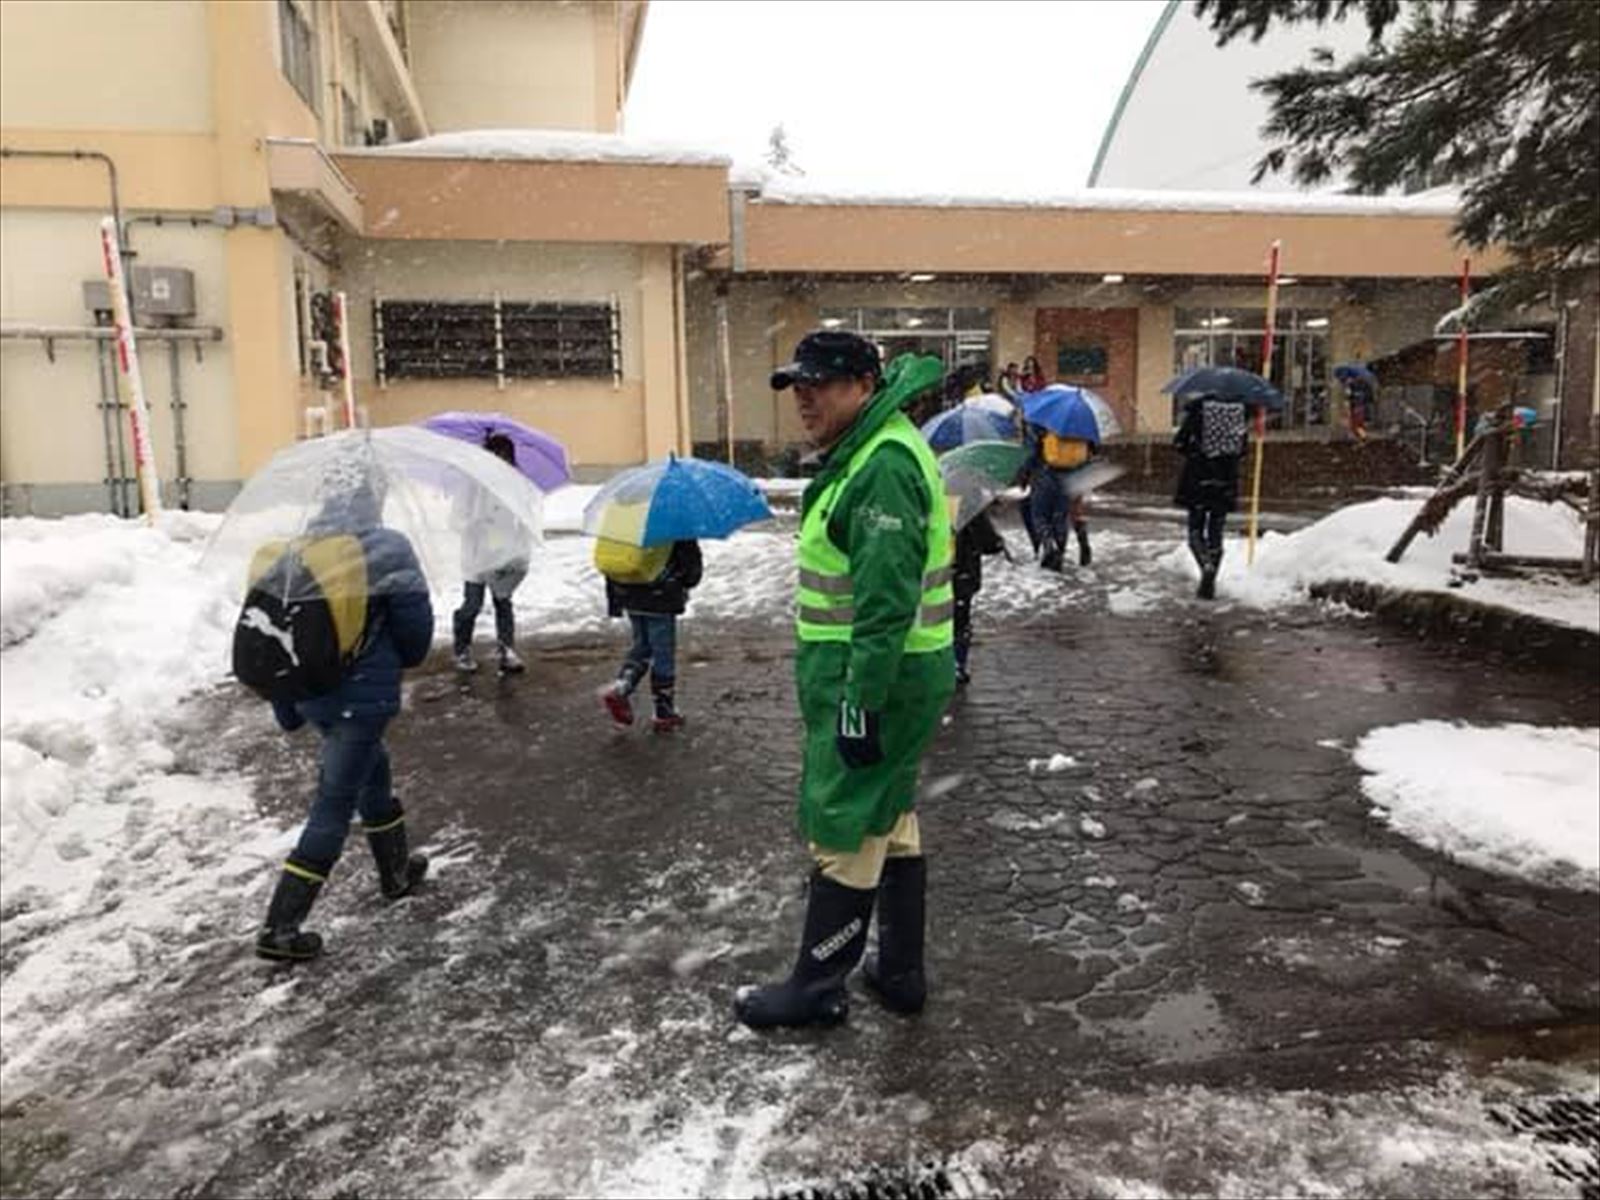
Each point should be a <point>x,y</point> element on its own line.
<point>161,295</point>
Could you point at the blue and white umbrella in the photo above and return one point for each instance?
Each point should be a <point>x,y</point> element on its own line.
<point>674,500</point>
<point>1070,412</point>
<point>983,418</point>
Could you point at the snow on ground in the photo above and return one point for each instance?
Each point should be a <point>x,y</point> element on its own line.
<point>105,843</point>
<point>1434,1140</point>
<point>1351,544</point>
<point>1516,799</point>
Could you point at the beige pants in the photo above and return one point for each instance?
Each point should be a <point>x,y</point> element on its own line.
<point>862,868</point>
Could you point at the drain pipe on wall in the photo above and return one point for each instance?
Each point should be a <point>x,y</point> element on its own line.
<point>80,155</point>
<point>179,447</point>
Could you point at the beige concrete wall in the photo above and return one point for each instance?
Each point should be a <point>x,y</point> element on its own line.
<point>432,198</point>
<point>497,65</point>
<point>50,425</point>
<point>893,238</point>
<point>601,424</point>
<point>105,65</point>
<point>1154,368</point>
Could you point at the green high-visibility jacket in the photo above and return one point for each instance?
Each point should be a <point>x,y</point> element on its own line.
<point>874,615</point>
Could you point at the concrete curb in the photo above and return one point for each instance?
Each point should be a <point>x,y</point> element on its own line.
<point>1487,625</point>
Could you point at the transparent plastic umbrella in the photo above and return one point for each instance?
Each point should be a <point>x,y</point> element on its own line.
<point>440,494</point>
<point>975,474</point>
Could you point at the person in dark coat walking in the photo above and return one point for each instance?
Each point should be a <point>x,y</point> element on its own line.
<point>977,540</point>
<point>1212,438</point>
<point>354,774</point>
<point>653,610</point>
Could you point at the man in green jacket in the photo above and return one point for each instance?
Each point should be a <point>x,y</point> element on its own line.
<point>874,669</point>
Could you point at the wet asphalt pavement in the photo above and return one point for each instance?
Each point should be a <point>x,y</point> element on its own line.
<point>1200,897</point>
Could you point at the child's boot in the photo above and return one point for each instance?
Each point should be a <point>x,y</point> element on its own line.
<point>617,697</point>
<point>667,717</point>
<point>281,936</point>
<point>1082,530</point>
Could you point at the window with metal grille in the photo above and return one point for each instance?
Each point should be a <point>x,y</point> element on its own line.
<point>498,339</point>
<point>298,43</point>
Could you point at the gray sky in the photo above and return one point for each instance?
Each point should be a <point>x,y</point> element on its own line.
<point>901,93</point>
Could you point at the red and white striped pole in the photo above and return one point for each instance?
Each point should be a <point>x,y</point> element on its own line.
<point>341,313</point>
<point>1461,359</point>
<point>144,458</point>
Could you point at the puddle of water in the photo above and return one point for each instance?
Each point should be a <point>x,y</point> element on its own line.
<point>1395,869</point>
<point>1179,1027</point>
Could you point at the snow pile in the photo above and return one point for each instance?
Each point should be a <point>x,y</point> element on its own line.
<point>1351,544</point>
<point>785,189</point>
<point>563,508</point>
<point>105,846</point>
<point>106,629</point>
<point>1517,799</point>
<point>547,145</point>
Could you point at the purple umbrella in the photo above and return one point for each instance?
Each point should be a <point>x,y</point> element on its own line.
<point>539,456</point>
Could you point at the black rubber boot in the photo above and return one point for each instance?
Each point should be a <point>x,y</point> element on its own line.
<point>1084,555</point>
<point>814,994</point>
<point>896,974</point>
<point>281,937</point>
<point>666,719</point>
<point>1208,584</point>
<point>399,871</point>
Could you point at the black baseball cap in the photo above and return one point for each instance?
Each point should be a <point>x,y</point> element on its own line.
<point>829,354</point>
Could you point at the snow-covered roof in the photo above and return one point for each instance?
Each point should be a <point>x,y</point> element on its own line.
<point>547,145</point>
<point>779,190</point>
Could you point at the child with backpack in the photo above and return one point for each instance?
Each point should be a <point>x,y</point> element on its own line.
<point>650,586</point>
<point>329,624</point>
<point>495,549</point>
<point>1051,503</point>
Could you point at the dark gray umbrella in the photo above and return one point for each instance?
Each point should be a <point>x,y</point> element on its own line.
<point>1227,383</point>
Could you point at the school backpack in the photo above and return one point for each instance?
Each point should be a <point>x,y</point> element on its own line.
<point>623,562</point>
<point>1064,453</point>
<point>303,618</point>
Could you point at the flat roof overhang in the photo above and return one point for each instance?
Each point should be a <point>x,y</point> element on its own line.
<point>486,199</point>
<point>1142,241</point>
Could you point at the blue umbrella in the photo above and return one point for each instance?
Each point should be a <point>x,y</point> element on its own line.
<point>673,500</point>
<point>1348,372</point>
<point>1226,383</point>
<point>969,423</point>
<point>1070,412</point>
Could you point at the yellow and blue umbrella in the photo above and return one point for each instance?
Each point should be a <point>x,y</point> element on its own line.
<point>674,500</point>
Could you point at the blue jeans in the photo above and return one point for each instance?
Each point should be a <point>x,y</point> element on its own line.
<point>353,777</point>
<point>655,646</point>
<point>1049,504</point>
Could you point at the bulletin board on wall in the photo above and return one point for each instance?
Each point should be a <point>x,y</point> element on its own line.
<point>1087,363</point>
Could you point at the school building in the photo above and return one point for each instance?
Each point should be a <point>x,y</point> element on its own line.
<point>629,299</point>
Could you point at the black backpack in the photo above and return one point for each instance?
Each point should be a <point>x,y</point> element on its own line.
<point>303,619</point>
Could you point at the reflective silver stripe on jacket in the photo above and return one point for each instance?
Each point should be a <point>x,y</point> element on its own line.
<point>827,616</point>
<point>828,585</point>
